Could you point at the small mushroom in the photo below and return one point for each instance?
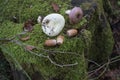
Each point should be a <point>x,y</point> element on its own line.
<point>39,19</point>
<point>75,15</point>
<point>53,24</point>
<point>72,32</point>
<point>67,12</point>
<point>60,39</point>
<point>50,43</point>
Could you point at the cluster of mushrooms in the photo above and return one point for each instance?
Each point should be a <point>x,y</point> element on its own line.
<point>53,24</point>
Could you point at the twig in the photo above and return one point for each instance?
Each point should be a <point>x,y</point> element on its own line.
<point>44,56</point>
<point>61,52</point>
<point>93,62</point>
<point>107,64</point>
<point>115,57</point>
<point>92,72</point>
<point>6,40</point>
<point>102,66</point>
<point>48,57</point>
<point>66,65</point>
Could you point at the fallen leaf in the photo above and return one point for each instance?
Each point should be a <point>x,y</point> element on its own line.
<point>28,25</point>
<point>29,47</point>
<point>55,7</point>
<point>25,38</point>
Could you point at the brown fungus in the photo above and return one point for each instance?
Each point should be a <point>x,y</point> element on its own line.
<point>75,15</point>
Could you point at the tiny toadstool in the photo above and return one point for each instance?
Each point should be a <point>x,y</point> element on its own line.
<point>75,15</point>
<point>39,19</point>
<point>53,24</point>
<point>67,12</point>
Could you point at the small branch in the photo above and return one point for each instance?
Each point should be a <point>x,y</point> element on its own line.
<point>93,62</point>
<point>61,52</point>
<point>106,65</point>
<point>66,65</point>
<point>41,55</point>
<point>115,57</point>
<point>6,40</point>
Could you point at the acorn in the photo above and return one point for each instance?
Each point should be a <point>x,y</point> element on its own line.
<point>72,32</point>
<point>60,39</point>
<point>50,43</point>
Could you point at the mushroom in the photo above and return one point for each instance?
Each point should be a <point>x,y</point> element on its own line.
<point>39,19</point>
<point>75,15</point>
<point>72,32</point>
<point>67,12</point>
<point>53,24</point>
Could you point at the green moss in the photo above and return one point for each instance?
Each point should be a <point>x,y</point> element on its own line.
<point>86,36</point>
<point>102,40</point>
<point>97,40</point>
<point>24,10</point>
<point>47,69</point>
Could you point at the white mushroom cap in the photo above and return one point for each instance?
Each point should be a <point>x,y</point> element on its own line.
<point>68,12</point>
<point>39,19</point>
<point>52,24</point>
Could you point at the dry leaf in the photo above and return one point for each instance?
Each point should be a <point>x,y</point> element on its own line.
<point>28,25</point>
<point>55,7</point>
<point>29,48</point>
<point>25,38</point>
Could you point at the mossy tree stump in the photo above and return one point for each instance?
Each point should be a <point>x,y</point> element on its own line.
<point>64,62</point>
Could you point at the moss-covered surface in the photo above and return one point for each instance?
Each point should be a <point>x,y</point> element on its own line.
<point>4,68</point>
<point>42,64</point>
<point>102,41</point>
<point>97,40</point>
